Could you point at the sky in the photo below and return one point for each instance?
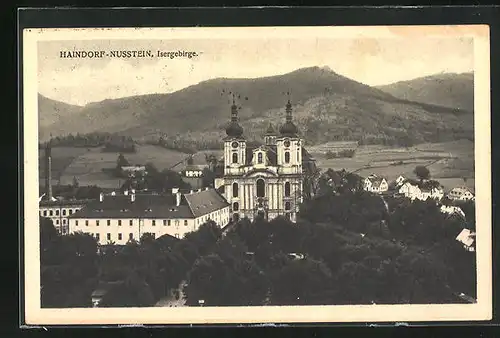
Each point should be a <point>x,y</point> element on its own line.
<point>372,61</point>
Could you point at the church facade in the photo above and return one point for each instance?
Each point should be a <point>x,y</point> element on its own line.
<point>266,180</point>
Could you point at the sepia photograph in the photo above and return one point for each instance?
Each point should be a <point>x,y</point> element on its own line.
<point>280,174</point>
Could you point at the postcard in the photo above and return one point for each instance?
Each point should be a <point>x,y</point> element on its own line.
<point>256,175</point>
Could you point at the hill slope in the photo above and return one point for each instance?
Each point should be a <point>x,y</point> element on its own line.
<point>52,113</point>
<point>449,90</point>
<point>327,107</point>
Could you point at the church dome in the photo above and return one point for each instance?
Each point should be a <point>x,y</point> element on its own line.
<point>234,129</point>
<point>289,129</point>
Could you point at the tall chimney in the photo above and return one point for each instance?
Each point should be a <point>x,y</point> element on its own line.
<point>48,171</point>
<point>177,198</point>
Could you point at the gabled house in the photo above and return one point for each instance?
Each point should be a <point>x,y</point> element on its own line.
<point>400,180</point>
<point>452,210</point>
<point>467,238</point>
<point>461,194</point>
<point>413,189</point>
<point>375,184</point>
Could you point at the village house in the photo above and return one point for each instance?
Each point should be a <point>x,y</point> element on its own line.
<point>436,193</point>
<point>133,170</point>
<point>375,184</point>
<point>193,174</point>
<point>400,180</point>
<point>120,218</point>
<point>467,238</point>
<point>452,210</point>
<point>421,190</point>
<point>460,194</point>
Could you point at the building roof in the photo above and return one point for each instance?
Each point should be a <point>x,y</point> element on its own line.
<point>289,129</point>
<point>466,237</point>
<point>64,203</point>
<point>426,185</point>
<point>205,202</point>
<point>194,167</point>
<point>270,130</point>
<point>376,181</point>
<point>164,206</point>
<point>462,190</point>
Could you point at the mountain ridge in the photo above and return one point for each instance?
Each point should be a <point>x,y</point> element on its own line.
<point>327,106</point>
<point>453,90</point>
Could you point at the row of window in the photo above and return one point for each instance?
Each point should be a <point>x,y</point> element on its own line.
<point>131,222</point>
<point>260,157</point>
<point>51,212</point>
<point>120,236</point>
<point>236,206</point>
<point>261,189</point>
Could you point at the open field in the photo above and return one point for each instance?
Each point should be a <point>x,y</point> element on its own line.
<point>87,164</point>
<point>448,162</point>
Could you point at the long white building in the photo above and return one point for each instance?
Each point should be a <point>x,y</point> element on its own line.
<point>120,218</point>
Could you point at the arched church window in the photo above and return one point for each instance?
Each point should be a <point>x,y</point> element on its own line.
<point>287,206</point>
<point>235,157</point>
<point>287,157</point>
<point>259,158</point>
<point>235,190</point>
<point>287,189</point>
<point>261,188</point>
<point>236,206</point>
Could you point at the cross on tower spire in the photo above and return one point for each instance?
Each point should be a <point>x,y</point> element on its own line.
<point>288,108</point>
<point>234,111</point>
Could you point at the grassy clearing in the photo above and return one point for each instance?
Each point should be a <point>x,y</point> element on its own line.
<point>450,161</point>
<point>62,157</point>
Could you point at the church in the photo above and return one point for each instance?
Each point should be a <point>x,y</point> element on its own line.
<point>266,180</point>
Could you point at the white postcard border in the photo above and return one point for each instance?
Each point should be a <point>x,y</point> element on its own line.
<point>482,310</point>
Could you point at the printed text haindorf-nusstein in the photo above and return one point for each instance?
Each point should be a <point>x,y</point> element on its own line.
<point>96,54</point>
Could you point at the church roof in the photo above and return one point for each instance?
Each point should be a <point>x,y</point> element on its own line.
<point>270,130</point>
<point>289,129</point>
<point>234,129</point>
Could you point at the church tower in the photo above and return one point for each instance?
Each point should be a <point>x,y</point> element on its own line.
<point>234,144</point>
<point>289,145</point>
<point>270,136</point>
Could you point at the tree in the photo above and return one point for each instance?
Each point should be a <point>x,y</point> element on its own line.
<point>302,282</point>
<point>49,238</point>
<point>422,172</point>
<point>121,162</point>
<point>227,277</point>
<point>133,292</point>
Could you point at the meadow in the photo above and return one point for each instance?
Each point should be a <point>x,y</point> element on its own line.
<point>448,162</point>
